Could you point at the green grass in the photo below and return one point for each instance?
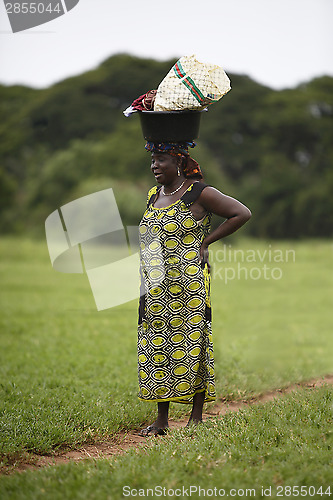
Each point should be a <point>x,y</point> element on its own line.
<point>287,443</point>
<point>68,373</point>
<point>271,332</point>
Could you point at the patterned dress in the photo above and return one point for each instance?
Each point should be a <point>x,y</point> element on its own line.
<point>175,349</point>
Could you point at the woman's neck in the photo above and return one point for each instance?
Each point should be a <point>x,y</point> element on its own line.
<point>179,182</point>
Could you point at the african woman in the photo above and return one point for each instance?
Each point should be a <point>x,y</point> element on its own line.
<point>175,348</point>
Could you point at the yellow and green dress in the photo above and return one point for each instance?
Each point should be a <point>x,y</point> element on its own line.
<point>175,348</point>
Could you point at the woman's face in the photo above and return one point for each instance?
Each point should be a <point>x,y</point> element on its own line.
<point>164,167</point>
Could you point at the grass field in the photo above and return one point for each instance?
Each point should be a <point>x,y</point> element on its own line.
<point>68,375</point>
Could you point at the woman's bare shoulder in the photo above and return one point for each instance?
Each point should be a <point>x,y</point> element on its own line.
<point>219,203</point>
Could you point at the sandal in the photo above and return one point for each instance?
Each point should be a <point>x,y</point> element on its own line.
<point>153,430</point>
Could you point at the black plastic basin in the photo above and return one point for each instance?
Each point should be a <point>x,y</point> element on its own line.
<point>170,126</point>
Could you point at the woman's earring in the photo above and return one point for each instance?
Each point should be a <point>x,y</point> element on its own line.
<point>178,171</point>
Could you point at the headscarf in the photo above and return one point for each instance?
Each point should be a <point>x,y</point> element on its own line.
<point>190,167</point>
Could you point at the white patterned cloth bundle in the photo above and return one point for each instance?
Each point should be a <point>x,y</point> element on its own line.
<point>191,84</point>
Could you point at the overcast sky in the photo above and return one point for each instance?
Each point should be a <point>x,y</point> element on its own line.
<point>279,43</point>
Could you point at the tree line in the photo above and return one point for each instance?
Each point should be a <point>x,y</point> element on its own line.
<point>273,150</point>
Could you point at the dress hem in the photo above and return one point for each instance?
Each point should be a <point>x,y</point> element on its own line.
<point>180,399</point>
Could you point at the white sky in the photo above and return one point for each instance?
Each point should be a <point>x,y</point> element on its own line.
<point>279,43</point>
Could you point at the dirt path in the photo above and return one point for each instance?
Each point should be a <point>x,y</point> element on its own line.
<point>125,440</point>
